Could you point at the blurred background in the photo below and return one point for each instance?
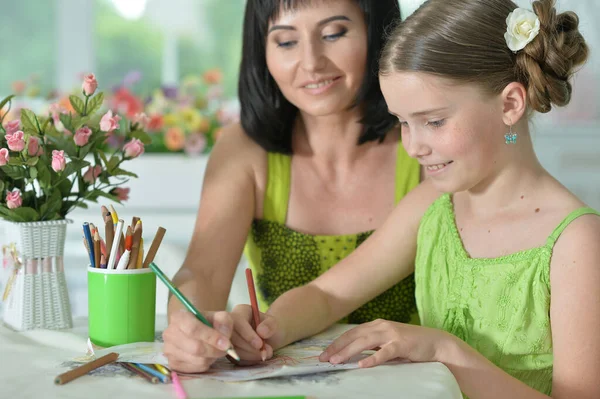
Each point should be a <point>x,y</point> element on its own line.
<point>177,60</point>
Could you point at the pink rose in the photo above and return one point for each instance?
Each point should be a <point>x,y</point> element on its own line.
<point>15,141</point>
<point>108,123</point>
<point>134,148</point>
<point>90,84</point>
<point>121,193</point>
<point>33,147</point>
<point>141,119</point>
<point>4,156</point>
<point>58,160</point>
<point>14,200</point>
<point>12,126</point>
<point>92,174</point>
<point>82,136</point>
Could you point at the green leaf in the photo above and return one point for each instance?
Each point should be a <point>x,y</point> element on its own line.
<point>65,188</point>
<point>32,161</point>
<point>29,120</point>
<point>99,193</point>
<point>52,205</point>
<point>15,161</point>
<point>70,148</point>
<point>44,176</point>
<point>33,173</point>
<point>9,214</point>
<point>66,120</point>
<point>112,164</point>
<point>142,136</point>
<point>15,172</point>
<point>27,214</point>
<point>5,101</point>
<point>1,188</point>
<point>73,166</point>
<point>103,156</point>
<point>79,121</point>
<point>77,104</point>
<point>95,103</point>
<point>121,172</point>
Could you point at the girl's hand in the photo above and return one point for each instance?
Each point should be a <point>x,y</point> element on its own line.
<point>248,342</point>
<point>391,340</point>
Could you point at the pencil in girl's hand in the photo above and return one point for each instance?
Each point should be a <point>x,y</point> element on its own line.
<point>255,311</point>
<point>231,352</point>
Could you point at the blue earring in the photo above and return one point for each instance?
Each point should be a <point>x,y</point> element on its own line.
<point>510,137</point>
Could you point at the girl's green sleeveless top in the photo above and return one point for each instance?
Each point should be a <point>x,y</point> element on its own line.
<point>282,258</point>
<point>499,306</point>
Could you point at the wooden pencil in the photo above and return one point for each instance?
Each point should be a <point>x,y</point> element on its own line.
<point>160,233</point>
<point>255,311</point>
<point>135,246</point>
<point>97,251</point>
<point>141,373</point>
<point>109,232</point>
<point>86,368</point>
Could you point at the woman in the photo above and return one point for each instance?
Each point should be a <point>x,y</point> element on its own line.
<point>314,168</point>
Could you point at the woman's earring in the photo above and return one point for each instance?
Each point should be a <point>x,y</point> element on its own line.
<point>510,137</point>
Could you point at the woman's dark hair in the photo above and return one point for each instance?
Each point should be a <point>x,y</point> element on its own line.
<point>463,40</point>
<point>266,115</point>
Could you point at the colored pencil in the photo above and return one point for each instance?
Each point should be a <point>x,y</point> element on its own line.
<point>122,265</point>
<point>163,378</point>
<point>160,233</point>
<point>255,311</point>
<point>135,246</point>
<point>115,248</point>
<point>86,368</point>
<point>140,372</point>
<point>163,369</point>
<point>231,352</point>
<point>179,391</point>
<point>97,251</point>
<point>88,237</point>
<point>109,233</point>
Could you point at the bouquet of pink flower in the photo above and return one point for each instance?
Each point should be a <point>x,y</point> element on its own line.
<point>53,163</point>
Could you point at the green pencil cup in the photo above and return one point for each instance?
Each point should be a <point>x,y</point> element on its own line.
<point>121,306</point>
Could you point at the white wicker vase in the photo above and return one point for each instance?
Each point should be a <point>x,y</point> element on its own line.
<point>36,293</point>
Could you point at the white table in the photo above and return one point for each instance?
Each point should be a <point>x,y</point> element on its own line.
<point>30,360</point>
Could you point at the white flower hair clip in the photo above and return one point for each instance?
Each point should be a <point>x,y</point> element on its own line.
<point>522,26</point>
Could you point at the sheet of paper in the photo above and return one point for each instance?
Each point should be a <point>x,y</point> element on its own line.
<point>298,358</point>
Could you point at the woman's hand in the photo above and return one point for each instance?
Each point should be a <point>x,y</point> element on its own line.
<point>391,340</point>
<point>191,346</point>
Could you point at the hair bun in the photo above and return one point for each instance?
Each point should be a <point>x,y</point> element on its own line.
<point>549,61</point>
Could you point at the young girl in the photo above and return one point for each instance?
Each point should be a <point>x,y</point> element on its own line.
<point>507,260</point>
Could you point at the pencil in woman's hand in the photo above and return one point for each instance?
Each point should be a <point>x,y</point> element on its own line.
<point>231,352</point>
